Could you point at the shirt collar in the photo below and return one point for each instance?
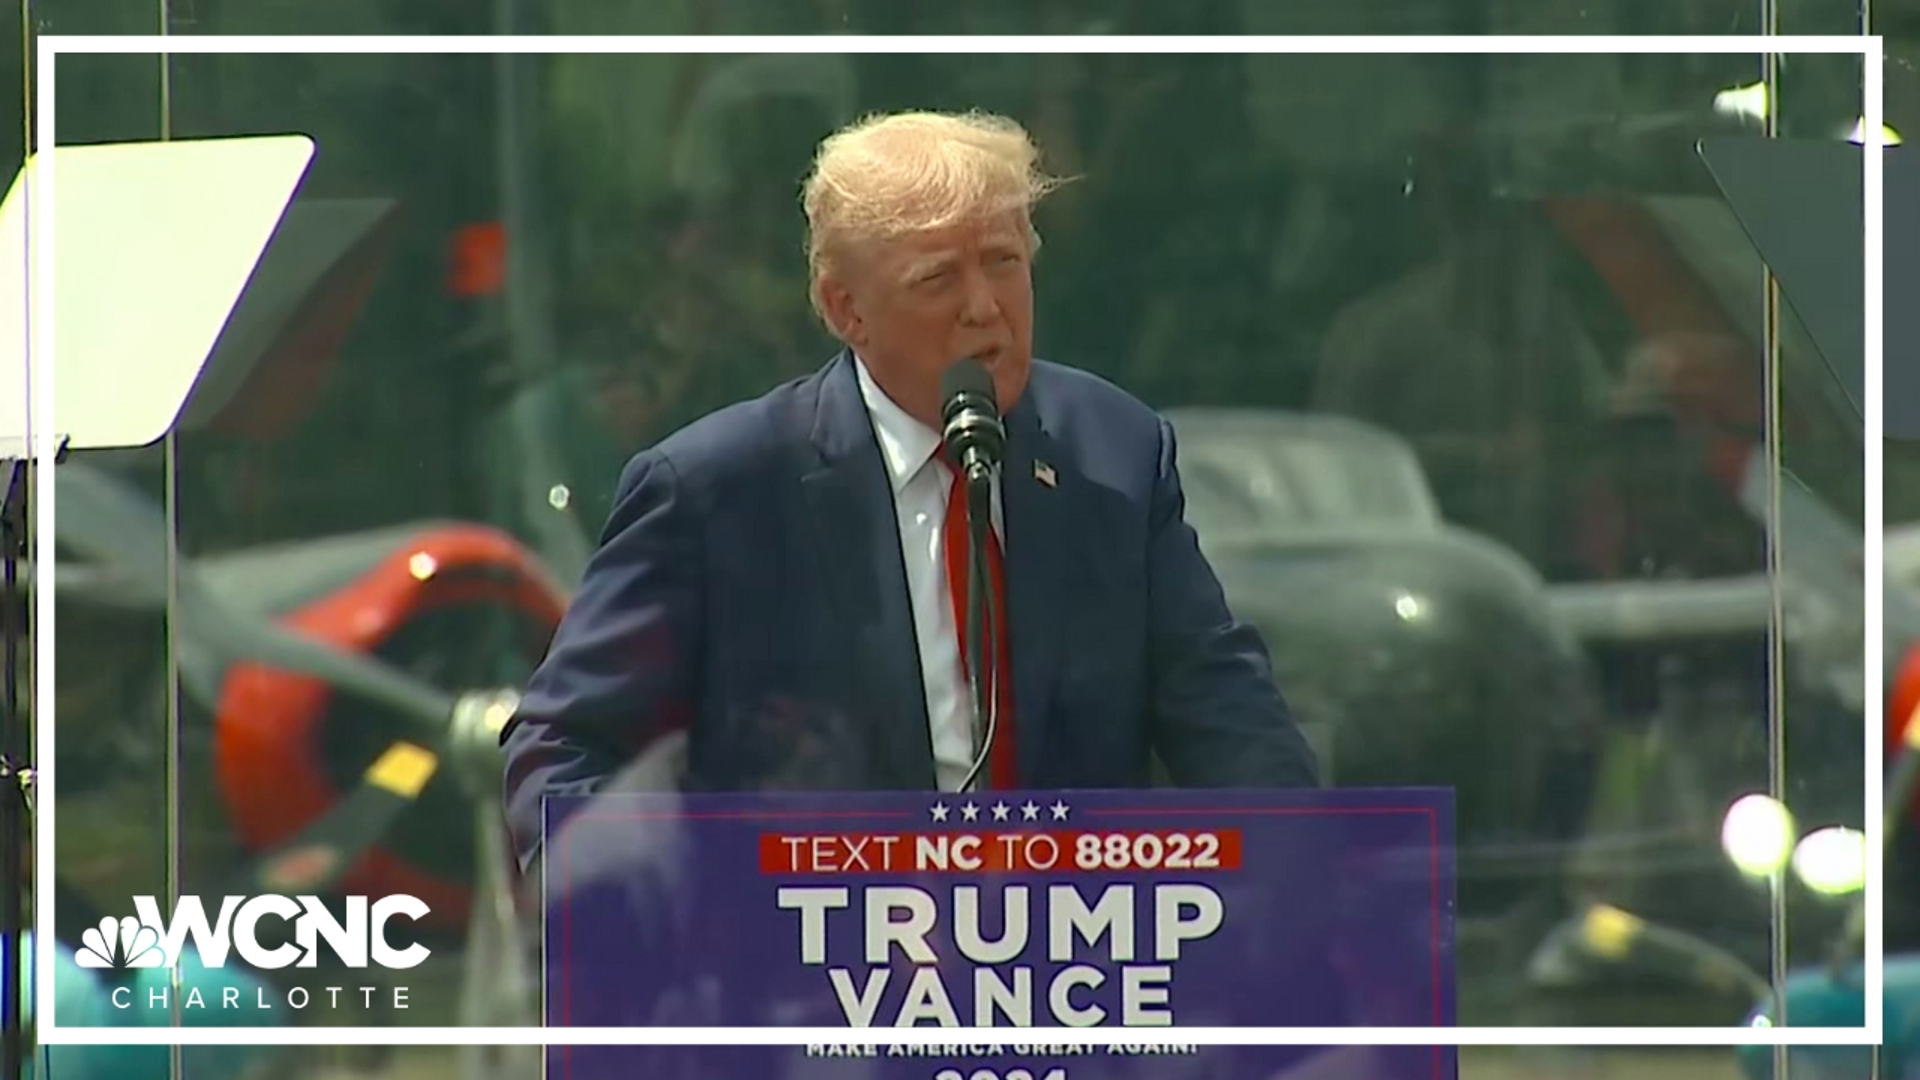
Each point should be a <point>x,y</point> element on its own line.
<point>905,443</point>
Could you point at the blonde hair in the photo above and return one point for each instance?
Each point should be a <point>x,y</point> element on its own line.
<point>887,175</point>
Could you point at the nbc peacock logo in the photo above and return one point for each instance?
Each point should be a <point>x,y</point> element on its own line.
<point>121,944</point>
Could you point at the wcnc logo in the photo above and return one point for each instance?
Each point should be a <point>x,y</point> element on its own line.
<point>358,940</point>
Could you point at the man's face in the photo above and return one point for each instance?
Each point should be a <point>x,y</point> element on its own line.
<point>914,305</point>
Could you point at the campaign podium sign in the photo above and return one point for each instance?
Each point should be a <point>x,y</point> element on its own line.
<point>1051,909</point>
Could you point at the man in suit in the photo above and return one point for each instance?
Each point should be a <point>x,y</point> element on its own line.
<point>774,581</point>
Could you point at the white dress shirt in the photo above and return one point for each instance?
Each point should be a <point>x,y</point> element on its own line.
<point>920,486</point>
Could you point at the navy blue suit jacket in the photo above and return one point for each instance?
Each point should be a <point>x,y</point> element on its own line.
<point>749,588</point>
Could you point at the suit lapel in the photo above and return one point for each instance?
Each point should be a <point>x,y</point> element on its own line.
<point>857,538</point>
<point>1037,489</point>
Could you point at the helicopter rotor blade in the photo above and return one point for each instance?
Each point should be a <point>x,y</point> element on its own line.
<point>329,847</point>
<point>102,519</point>
<point>315,859</point>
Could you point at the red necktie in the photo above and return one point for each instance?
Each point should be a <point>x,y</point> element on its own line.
<point>1003,769</point>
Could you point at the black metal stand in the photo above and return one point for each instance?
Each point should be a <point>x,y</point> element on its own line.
<point>981,647</point>
<point>16,771</point>
<point>16,777</point>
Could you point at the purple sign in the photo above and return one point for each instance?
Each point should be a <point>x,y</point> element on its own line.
<point>1009,1061</point>
<point>1151,909</point>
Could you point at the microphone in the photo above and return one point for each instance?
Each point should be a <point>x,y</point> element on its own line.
<point>974,431</point>
<point>976,437</point>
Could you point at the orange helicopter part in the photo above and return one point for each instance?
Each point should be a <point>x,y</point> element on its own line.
<point>267,752</point>
<point>1902,704</point>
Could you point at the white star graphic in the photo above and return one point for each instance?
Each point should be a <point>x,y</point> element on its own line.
<point>939,811</point>
<point>1029,812</point>
<point>999,811</point>
<point>969,812</point>
<point>1059,811</point>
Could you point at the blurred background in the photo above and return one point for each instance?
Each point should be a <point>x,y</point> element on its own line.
<point>1475,376</point>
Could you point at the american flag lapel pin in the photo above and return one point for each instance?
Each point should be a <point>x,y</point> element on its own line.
<point>1043,472</point>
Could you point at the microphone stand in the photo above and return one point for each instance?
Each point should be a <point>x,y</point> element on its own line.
<point>982,653</point>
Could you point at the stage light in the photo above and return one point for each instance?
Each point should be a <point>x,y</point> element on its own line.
<point>1758,835</point>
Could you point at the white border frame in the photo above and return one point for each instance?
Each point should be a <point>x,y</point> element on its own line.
<point>41,382</point>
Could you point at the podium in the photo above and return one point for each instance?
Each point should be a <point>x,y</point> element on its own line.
<point>110,321</point>
<point>1150,910</point>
